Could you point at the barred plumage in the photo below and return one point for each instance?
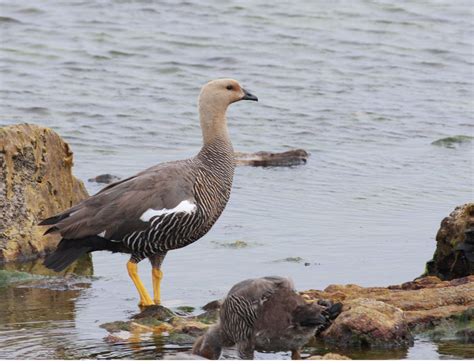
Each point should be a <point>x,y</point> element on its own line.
<point>263,314</point>
<point>211,191</point>
<point>165,207</point>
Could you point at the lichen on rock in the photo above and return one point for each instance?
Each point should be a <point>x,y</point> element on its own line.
<point>35,182</point>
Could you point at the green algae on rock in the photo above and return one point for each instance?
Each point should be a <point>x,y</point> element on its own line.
<point>453,141</point>
<point>35,182</point>
<point>237,244</point>
<point>9,277</point>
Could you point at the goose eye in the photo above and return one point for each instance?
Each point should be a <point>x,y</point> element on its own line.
<point>230,87</point>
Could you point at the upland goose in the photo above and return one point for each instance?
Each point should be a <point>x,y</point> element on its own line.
<point>264,314</point>
<point>165,207</point>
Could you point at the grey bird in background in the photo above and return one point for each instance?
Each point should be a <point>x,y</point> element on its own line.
<point>264,314</point>
<point>165,207</point>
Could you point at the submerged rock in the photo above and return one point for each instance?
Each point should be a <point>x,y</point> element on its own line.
<point>269,159</point>
<point>104,178</point>
<point>381,317</point>
<point>453,141</point>
<point>35,182</point>
<point>238,244</point>
<point>454,255</point>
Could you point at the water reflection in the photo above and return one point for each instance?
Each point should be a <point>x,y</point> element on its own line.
<point>37,307</point>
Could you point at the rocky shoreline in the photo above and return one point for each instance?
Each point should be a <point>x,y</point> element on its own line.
<point>372,317</point>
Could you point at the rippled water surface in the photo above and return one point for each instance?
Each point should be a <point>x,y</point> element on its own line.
<point>364,86</point>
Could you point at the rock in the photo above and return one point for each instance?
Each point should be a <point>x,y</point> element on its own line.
<point>367,323</point>
<point>237,244</point>
<point>466,335</point>
<point>35,182</point>
<point>329,356</point>
<point>177,330</point>
<point>104,178</point>
<point>157,312</point>
<point>453,141</point>
<point>289,260</point>
<point>418,305</point>
<point>268,159</point>
<point>454,255</point>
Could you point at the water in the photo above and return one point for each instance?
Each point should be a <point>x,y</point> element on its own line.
<point>364,86</point>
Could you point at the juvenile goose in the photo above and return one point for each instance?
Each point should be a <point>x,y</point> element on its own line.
<point>165,207</point>
<point>264,314</point>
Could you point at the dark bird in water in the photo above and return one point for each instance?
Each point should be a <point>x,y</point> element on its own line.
<point>264,314</point>
<point>165,207</point>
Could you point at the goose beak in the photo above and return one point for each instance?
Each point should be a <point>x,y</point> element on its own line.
<point>249,96</point>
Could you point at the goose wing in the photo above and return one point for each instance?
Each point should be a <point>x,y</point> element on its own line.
<point>128,205</point>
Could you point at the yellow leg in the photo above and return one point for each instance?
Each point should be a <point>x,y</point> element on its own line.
<point>157,276</point>
<point>145,299</point>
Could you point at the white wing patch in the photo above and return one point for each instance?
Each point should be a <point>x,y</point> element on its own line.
<point>184,206</point>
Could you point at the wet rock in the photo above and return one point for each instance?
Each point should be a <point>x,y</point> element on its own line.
<point>367,323</point>
<point>289,260</point>
<point>418,305</point>
<point>104,178</point>
<point>454,255</point>
<point>185,309</point>
<point>212,306</point>
<point>466,335</point>
<point>269,159</point>
<point>453,141</point>
<point>329,356</point>
<point>157,312</point>
<point>35,182</point>
<point>175,328</point>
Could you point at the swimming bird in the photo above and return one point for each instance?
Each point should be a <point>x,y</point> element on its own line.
<point>264,314</point>
<point>165,207</point>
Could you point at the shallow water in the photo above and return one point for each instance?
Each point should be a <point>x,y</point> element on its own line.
<point>365,87</point>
